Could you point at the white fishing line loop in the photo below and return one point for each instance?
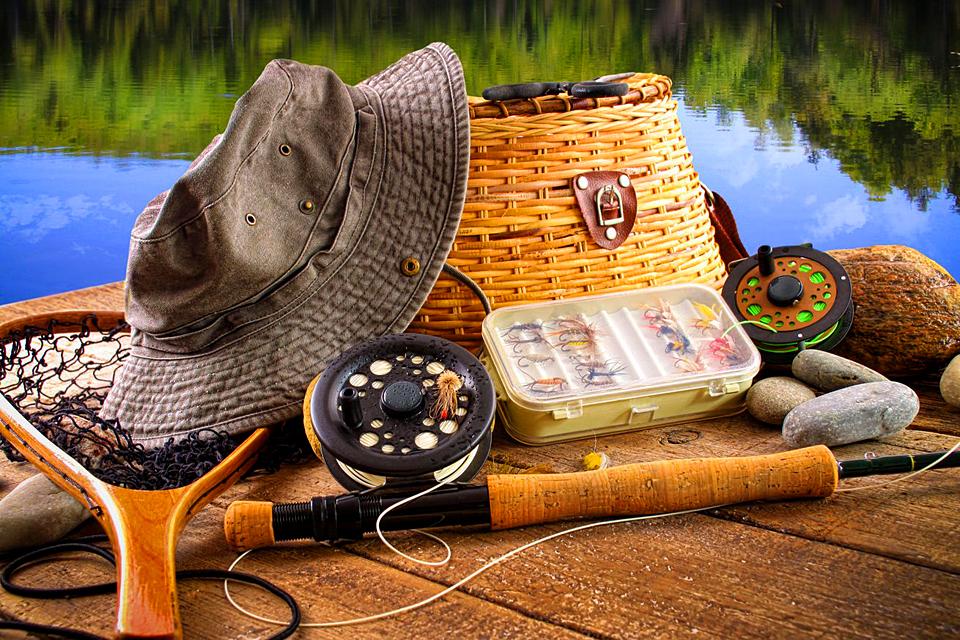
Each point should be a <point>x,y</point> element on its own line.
<point>383,539</point>
<point>455,586</point>
<point>499,559</point>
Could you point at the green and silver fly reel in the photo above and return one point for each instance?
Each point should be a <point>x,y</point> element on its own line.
<point>790,299</point>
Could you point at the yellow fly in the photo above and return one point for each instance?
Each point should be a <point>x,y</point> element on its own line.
<point>709,316</point>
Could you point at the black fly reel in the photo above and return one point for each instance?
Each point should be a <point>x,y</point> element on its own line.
<point>401,408</point>
<point>791,298</point>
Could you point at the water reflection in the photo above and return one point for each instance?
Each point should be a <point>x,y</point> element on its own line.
<point>816,119</point>
<point>65,219</point>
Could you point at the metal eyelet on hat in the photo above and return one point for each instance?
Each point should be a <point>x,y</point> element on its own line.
<point>410,266</point>
<point>307,206</point>
<point>250,219</point>
<point>285,149</point>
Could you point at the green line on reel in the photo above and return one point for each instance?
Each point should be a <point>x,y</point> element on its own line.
<point>802,295</point>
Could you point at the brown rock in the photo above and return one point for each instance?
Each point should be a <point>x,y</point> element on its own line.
<point>950,383</point>
<point>907,317</point>
<point>771,399</point>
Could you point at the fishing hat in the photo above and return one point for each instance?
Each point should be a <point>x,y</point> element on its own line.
<point>320,218</point>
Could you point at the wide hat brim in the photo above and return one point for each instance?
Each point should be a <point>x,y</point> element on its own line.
<point>257,376</point>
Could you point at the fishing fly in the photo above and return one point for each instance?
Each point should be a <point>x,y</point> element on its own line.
<point>547,385</point>
<point>445,405</point>
<point>533,358</point>
<point>709,317</point>
<point>594,372</point>
<point>575,333</point>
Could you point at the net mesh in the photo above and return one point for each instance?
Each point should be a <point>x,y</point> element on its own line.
<point>57,375</point>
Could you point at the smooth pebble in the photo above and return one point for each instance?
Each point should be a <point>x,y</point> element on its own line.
<point>861,412</point>
<point>771,399</point>
<point>950,382</point>
<point>829,372</point>
<point>37,512</point>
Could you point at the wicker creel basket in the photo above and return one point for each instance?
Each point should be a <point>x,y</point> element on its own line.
<point>523,238</point>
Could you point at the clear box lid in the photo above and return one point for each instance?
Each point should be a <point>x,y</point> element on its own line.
<point>608,347</point>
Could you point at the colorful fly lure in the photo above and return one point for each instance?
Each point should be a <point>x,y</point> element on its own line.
<point>662,318</point>
<point>574,334</point>
<point>709,317</point>
<point>690,364</point>
<point>527,359</point>
<point>519,342</point>
<point>547,385</point>
<point>593,372</point>
<point>724,351</point>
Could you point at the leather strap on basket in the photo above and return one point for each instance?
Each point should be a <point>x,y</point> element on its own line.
<point>608,204</point>
<point>725,227</point>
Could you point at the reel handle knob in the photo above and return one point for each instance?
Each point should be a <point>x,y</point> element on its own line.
<point>765,259</point>
<point>350,407</point>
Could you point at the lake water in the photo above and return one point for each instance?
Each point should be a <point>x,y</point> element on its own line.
<point>834,123</point>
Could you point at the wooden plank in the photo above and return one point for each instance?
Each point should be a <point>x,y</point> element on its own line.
<point>700,575</point>
<point>935,415</point>
<point>329,583</point>
<point>105,296</point>
<point>915,521</point>
<point>685,575</point>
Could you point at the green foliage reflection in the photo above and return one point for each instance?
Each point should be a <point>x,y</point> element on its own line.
<point>870,84</point>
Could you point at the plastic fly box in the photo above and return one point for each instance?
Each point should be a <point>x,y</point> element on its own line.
<point>618,362</point>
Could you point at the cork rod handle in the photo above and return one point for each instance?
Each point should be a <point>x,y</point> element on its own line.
<point>517,500</point>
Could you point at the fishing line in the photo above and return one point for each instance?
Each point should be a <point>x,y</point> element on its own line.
<point>503,557</point>
<point>745,322</point>
<point>803,295</point>
<point>459,583</point>
<point>902,478</point>
<point>383,539</point>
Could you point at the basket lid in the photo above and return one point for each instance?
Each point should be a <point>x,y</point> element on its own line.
<point>644,88</point>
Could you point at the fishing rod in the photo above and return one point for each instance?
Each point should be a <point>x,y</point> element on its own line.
<point>516,500</point>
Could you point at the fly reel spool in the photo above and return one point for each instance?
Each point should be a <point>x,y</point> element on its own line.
<point>401,408</point>
<point>802,294</point>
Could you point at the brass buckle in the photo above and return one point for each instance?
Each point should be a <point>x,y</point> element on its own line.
<point>608,195</point>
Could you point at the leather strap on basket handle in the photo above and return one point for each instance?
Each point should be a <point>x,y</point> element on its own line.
<point>725,227</point>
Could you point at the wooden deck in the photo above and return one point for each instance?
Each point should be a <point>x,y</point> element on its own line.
<point>882,563</point>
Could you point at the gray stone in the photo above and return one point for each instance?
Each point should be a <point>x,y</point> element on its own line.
<point>771,399</point>
<point>950,382</point>
<point>861,412</point>
<point>829,372</point>
<point>37,512</point>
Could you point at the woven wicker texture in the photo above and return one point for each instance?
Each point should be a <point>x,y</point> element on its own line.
<point>522,237</point>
